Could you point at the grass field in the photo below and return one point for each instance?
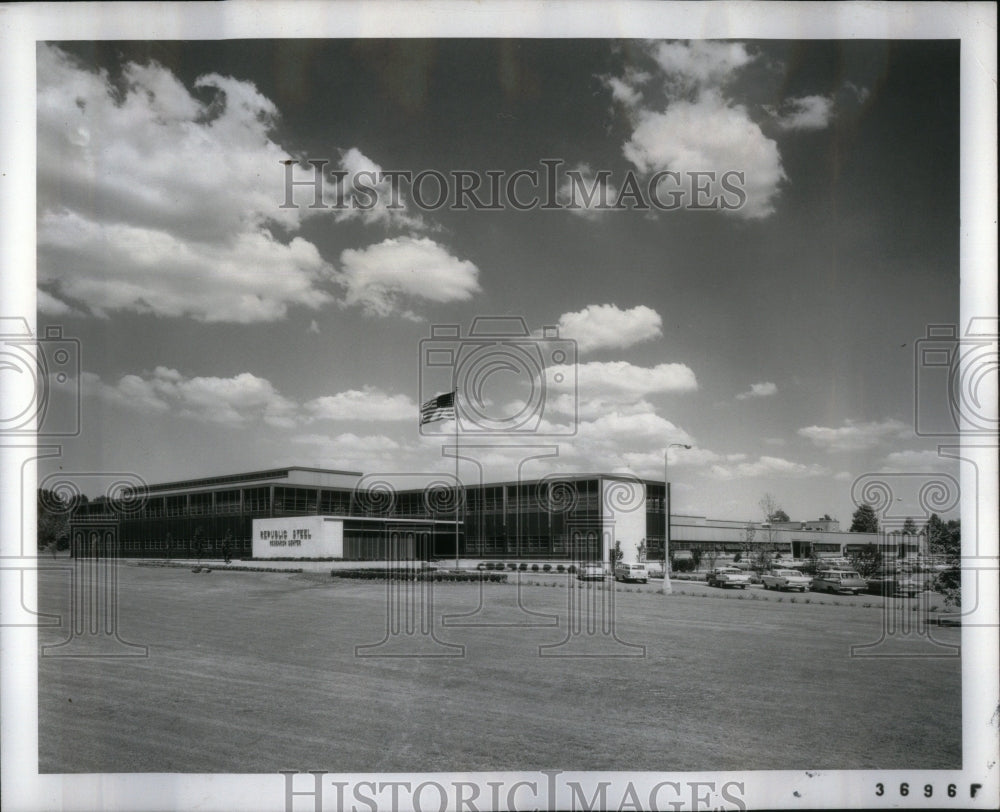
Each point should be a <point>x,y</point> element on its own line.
<point>254,672</point>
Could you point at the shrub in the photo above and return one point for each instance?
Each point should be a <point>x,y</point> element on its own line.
<point>512,566</point>
<point>534,567</point>
<point>546,568</point>
<point>571,569</point>
<point>522,567</point>
<point>560,568</point>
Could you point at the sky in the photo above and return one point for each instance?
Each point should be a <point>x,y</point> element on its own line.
<point>769,318</point>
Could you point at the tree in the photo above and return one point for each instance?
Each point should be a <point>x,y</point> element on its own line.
<point>867,561</point>
<point>53,521</point>
<point>618,555</point>
<point>909,527</point>
<point>826,517</point>
<point>945,539</point>
<point>640,550</point>
<point>711,556</point>
<point>763,552</point>
<point>749,533</point>
<point>761,559</point>
<point>811,567</point>
<point>864,520</point>
<point>769,506</point>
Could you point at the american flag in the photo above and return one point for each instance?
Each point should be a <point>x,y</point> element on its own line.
<point>440,408</point>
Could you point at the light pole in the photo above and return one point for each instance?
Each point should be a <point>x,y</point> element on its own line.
<point>667,588</point>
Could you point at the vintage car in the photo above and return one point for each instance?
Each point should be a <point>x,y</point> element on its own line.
<point>590,572</point>
<point>654,569</point>
<point>728,576</point>
<point>844,582</point>
<point>785,579</point>
<point>631,573</point>
<point>899,585</point>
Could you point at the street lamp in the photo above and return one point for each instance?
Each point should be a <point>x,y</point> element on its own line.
<point>667,588</point>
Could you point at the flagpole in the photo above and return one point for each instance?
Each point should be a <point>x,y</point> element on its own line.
<point>457,484</point>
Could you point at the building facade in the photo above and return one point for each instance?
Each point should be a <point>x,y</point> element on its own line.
<point>560,517</point>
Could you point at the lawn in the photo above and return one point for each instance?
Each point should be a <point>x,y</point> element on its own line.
<point>256,672</point>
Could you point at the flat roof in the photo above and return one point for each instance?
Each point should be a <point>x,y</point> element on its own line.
<point>249,476</point>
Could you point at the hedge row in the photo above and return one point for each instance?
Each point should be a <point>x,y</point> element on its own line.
<point>372,574</point>
<point>510,566</point>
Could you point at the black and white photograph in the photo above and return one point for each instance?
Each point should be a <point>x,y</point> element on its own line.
<point>480,406</point>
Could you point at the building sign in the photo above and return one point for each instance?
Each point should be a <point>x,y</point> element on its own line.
<point>298,537</point>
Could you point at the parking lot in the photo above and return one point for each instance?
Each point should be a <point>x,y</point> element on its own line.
<point>256,672</point>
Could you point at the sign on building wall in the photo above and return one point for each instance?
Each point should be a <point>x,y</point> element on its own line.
<point>298,537</point>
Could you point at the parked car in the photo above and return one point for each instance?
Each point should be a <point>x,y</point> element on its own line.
<point>895,585</point>
<point>785,579</point>
<point>844,582</point>
<point>629,573</point>
<point>591,572</point>
<point>728,576</point>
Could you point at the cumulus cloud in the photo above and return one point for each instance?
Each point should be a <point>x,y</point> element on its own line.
<point>854,436</point>
<point>155,198</point>
<point>766,467</point>
<point>607,326</point>
<point>348,443</point>
<point>759,390</point>
<point>650,463</point>
<point>587,194</point>
<point>617,427</point>
<point>153,201</point>
<point>710,134</point>
<point>619,381</point>
<point>686,116</point>
<point>367,404</point>
<point>233,401</point>
<point>52,306</point>
<point>924,461</point>
<point>372,200</point>
<point>251,277</point>
<point>804,113</point>
<point>700,63</point>
<point>242,399</point>
<point>382,277</point>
